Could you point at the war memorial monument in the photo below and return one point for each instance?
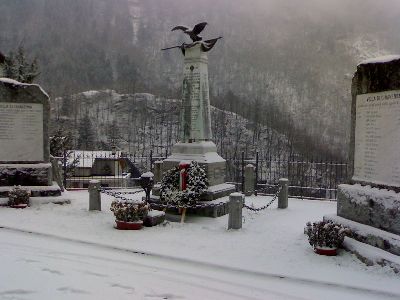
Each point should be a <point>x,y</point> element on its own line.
<point>195,134</point>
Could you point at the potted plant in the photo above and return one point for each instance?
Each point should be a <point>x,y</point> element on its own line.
<point>325,236</point>
<point>129,215</point>
<point>18,197</point>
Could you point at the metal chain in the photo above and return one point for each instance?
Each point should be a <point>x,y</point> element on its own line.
<point>118,195</point>
<point>265,206</point>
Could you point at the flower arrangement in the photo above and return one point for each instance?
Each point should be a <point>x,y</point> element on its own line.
<point>129,211</point>
<point>18,196</point>
<point>326,234</point>
<point>197,184</point>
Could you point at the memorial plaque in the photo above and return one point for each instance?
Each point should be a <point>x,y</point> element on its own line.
<point>377,138</point>
<point>21,131</point>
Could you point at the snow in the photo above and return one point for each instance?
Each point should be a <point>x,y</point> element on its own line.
<point>147,175</point>
<point>220,187</point>
<point>268,258</point>
<point>52,187</point>
<point>380,59</point>
<point>89,94</point>
<point>365,230</point>
<point>362,194</point>
<point>28,166</point>
<point>14,82</point>
<point>372,254</point>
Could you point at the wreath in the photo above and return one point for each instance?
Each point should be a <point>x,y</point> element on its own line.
<point>197,184</point>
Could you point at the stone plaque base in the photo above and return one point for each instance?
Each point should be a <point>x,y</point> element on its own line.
<point>26,174</point>
<point>212,209</point>
<point>370,206</point>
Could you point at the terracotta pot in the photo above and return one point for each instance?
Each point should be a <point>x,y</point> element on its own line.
<point>325,251</point>
<point>22,205</point>
<point>122,225</point>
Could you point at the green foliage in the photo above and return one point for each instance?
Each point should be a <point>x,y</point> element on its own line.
<point>326,234</point>
<point>18,196</point>
<point>19,68</point>
<point>197,184</point>
<point>129,211</point>
<point>60,147</point>
<point>86,139</point>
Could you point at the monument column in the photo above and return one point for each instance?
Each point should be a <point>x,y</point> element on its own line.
<point>195,112</point>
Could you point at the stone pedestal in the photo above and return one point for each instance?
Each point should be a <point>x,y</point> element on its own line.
<point>372,200</point>
<point>24,140</point>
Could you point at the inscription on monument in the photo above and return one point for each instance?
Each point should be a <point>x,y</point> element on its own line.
<point>377,138</point>
<point>21,131</point>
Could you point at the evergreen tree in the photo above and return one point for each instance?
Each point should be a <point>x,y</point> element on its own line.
<point>18,67</point>
<point>86,139</point>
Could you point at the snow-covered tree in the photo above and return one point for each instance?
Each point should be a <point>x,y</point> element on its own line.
<point>18,67</point>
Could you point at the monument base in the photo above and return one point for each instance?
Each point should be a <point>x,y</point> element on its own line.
<point>212,209</point>
<point>205,153</point>
<point>370,206</point>
<point>214,192</point>
<point>26,174</point>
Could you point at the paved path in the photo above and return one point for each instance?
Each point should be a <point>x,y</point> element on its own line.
<point>41,267</point>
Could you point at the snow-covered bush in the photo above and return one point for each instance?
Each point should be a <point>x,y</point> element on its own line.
<point>326,234</point>
<point>18,196</point>
<point>129,211</point>
<point>197,184</point>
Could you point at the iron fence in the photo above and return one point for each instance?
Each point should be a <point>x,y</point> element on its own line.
<point>308,178</point>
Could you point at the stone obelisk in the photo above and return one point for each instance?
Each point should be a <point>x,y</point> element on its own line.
<point>195,132</point>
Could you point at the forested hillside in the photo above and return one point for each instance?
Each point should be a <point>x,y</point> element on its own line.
<point>283,64</point>
<point>140,123</point>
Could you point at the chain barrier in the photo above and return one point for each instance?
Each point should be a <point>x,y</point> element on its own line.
<point>265,206</point>
<point>118,195</point>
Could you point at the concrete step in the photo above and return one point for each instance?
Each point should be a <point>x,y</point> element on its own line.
<point>36,191</point>
<point>37,201</point>
<point>371,255</point>
<point>375,237</point>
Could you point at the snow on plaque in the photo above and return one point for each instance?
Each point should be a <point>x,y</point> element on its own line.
<point>377,138</point>
<point>21,131</point>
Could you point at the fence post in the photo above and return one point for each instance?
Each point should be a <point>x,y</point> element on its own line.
<point>65,168</point>
<point>256,179</point>
<point>94,195</point>
<point>242,171</point>
<point>158,170</point>
<point>249,179</point>
<point>283,194</point>
<point>235,211</point>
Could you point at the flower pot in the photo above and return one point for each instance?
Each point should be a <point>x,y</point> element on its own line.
<point>325,251</point>
<point>22,205</point>
<point>122,225</point>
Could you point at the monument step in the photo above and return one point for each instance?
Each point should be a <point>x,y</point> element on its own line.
<point>37,201</point>
<point>212,209</point>
<point>371,255</point>
<point>214,192</point>
<point>36,191</point>
<point>389,242</point>
<point>25,174</point>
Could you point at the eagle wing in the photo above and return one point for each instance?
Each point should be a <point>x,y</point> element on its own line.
<point>199,28</point>
<point>180,27</point>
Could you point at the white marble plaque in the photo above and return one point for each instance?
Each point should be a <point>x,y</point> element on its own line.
<point>377,138</point>
<point>21,132</point>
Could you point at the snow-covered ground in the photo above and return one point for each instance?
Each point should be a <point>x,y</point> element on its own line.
<point>78,254</point>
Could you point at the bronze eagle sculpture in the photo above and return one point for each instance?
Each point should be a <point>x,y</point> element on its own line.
<point>194,33</point>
